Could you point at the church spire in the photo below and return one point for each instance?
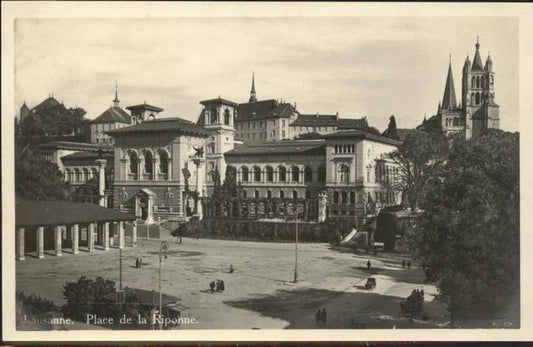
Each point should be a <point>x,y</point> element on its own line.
<point>449,101</point>
<point>116,102</point>
<point>252,91</point>
<point>477,64</point>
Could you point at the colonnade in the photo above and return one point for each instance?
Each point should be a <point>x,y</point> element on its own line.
<point>75,237</point>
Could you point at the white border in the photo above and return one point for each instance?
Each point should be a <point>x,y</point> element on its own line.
<point>12,10</point>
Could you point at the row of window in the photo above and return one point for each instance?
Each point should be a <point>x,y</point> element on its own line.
<point>84,175</point>
<point>280,194</point>
<point>341,149</point>
<point>260,124</point>
<point>481,82</point>
<point>256,175</point>
<point>148,163</point>
<point>212,116</point>
<point>104,140</point>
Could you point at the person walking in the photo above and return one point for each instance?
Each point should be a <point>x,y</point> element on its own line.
<point>368,264</point>
<point>409,264</point>
<point>318,317</point>
<point>324,316</point>
<point>212,286</point>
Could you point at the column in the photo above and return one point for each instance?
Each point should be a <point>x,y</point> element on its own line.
<point>58,240</point>
<point>140,172</point>
<point>120,235</point>
<point>40,242</point>
<point>199,211</point>
<point>134,234</point>
<point>90,237</point>
<point>20,243</point>
<point>169,174</point>
<point>101,181</point>
<point>150,210</point>
<point>106,236</point>
<point>124,173</point>
<point>75,230</point>
<point>112,228</point>
<point>155,169</point>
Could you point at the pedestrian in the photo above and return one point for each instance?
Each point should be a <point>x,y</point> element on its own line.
<point>140,262</point>
<point>222,286</point>
<point>218,286</point>
<point>368,265</point>
<point>136,263</point>
<point>231,269</point>
<point>409,264</point>
<point>403,264</point>
<point>212,286</point>
<point>324,316</point>
<point>318,317</point>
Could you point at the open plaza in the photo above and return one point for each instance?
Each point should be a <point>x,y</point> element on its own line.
<point>260,293</point>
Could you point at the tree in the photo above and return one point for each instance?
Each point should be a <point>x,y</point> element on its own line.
<point>419,158</point>
<point>471,229</point>
<point>391,131</point>
<point>37,178</point>
<point>230,186</point>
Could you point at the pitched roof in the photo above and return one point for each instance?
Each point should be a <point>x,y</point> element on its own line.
<point>358,134</point>
<point>329,120</point>
<point>113,115</point>
<point>168,125</point>
<point>403,133</point>
<point>79,146</point>
<point>477,65</point>
<point>261,110</point>
<point>293,147</point>
<point>86,155</point>
<point>45,213</point>
<point>50,102</point>
<point>448,100</point>
<point>144,106</point>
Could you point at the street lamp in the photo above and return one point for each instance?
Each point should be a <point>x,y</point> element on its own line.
<point>163,247</point>
<point>296,249</point>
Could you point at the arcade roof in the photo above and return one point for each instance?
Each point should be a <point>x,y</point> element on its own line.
<point>169,125</point>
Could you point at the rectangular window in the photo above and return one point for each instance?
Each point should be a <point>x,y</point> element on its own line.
<point>283,133</point>
<point>283,122</point>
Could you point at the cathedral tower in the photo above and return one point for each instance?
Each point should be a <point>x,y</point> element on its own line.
<point>480,110</point>
<point>252,91</point>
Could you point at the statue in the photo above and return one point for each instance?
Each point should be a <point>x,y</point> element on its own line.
<point>199,152</point>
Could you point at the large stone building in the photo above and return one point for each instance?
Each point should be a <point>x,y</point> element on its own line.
<point>112,118</point>
<point>478,111</point>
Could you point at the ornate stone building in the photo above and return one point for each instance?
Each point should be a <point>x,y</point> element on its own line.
<point>112,118</point>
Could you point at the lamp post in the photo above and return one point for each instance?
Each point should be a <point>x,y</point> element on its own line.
<point>296,249</point>
<point>162,249</point>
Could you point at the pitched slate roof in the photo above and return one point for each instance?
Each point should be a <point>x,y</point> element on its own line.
<point>50,102</point>
<point>144,106</point>
<point>280,148</point>
<point>329,120</point>
<point>45,213</point>
<point>448,100</point>
<point>477,65</point>
<point>261,110</point>
<point>168,125</point>
<point>113,115</point>
<point>358,134</point>
<point>77,146</point>
<point>218,100</point>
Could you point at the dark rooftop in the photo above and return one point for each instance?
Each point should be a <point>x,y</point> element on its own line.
<point>218,100</point>
<point>144,106</point>
<point>113,115</point>
<point>358,134</point>
<point>330,120</point>
<point>280,148</point>
<point>87,155</point>
<point>172,125</point>
<point>81,146</point>
<point>261,110</point>
<point>45,213</point>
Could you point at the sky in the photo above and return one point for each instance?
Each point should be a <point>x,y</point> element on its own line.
<point>356,66</point>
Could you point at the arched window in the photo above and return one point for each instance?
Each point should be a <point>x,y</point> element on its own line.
<point>256,193</point>
<point>335,197</point>
<point>344,197</point>
<point>134,160</point>
<point>269,172</point>
<point>282,174</point>
<point>321,173</point>
<point>269,194</point>
<point>68,175</point>
<point>85,175</point>
<point>148,164</point>
<point>477,98</point>
<point>281,194</point>
<point>257,174</point>
<point>473,98</point>
<point>482,81</point>
<point>214,116</point>
<point>477,82</point>
<point>295,176</point>
<point>294,194</point>
<point>226,117</point>
<point>308,174</point>
<point>163,162</point>
<point>94,173</point>
<point>244,174</point>
<point>352,198</point>
<point>344,173</point>
<point>473,81</point>
<point>77,175</point>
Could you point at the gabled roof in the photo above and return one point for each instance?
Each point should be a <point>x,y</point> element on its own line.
<point>144,106</point>
<point>350,123</point>
<point>293,147</point>
<point>448,100</point>
<point>358,134</point>
<point>174,125</point>
<point>113,115</point>
<point>44,213</point>
<point>50,102</point>
<point>329,120</point>
<point>264,109</point>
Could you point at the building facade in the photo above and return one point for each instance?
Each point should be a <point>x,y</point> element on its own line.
<point>112,118</point>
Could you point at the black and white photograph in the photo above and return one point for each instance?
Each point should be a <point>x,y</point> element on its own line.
<point>171,170</point>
